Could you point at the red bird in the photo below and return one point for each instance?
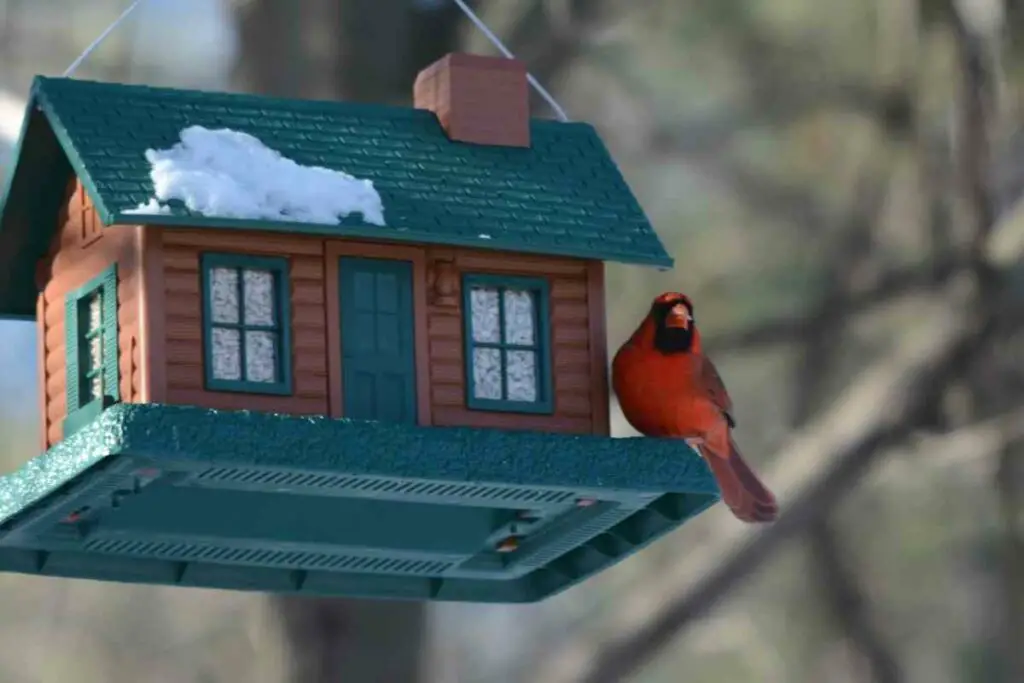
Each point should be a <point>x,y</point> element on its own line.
<point>668,388</point>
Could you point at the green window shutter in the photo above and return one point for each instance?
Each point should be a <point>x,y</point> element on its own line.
<point>503,350</point>
<point>111,374</point>
<point>73,373</point>
<point>82,406</point>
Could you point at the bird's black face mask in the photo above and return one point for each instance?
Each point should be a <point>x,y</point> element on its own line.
<point>673,326</point>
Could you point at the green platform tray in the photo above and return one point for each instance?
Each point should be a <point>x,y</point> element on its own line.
<point>243,500</point>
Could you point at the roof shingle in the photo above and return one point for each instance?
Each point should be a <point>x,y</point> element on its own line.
<point>562,196</point>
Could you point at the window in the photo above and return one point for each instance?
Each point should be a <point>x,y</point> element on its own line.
<point>247,340</point>
<point>91,337</point>
<point>507,353</point>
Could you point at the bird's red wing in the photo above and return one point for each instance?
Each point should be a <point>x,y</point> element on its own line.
<point>712,382</point>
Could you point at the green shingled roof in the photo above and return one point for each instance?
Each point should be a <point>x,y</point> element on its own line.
<point>564,195</point>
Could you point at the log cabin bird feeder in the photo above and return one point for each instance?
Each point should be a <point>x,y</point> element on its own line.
<point>326,348</point>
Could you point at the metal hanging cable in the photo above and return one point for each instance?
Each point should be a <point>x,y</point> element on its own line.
<point>100,38</point>
<point>479,23</point>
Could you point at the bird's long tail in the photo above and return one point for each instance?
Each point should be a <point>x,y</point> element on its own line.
<point>742,490</point>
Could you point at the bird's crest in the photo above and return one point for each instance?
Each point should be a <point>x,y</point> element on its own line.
<point>672,297</point>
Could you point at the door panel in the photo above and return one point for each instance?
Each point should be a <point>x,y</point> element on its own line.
<point>378,364</point>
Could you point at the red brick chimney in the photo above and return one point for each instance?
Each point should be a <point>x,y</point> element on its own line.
<point>477,99</point>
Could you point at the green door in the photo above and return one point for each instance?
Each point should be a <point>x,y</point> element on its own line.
<point>378,352</point>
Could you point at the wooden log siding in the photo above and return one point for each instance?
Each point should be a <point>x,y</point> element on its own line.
<point>579,364</point>
<point>160,334</point>
<point>183,326</point>
<point>577,312</point>
<point>82,249</point>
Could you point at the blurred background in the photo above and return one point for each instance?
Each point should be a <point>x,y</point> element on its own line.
<point>840,182</point>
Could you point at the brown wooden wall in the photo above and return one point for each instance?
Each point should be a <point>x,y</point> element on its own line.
<point>579,356</point>
<point>179,296</point>
<point>577,309</point>
<point>160,327</point>
<point>80,251</point>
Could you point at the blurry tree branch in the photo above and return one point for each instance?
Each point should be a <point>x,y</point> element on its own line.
<point>781,72</point>
<point>883,285</point>
<point>881,409</point>
<point>846,602</point>
<point>979,71</point>
<point>976,107</point>
<point>704,144</point>
<point>704,141</point>
<point>819,464</point>
<point>851,251</point>
<point>1009,486</point>
<point>876,288</point>
<point>783,86</point>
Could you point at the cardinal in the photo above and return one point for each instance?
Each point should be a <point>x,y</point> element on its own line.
<point>668,388</point>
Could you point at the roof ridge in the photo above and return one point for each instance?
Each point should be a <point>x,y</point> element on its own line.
<point>44,84</point>
<point>562,196</point>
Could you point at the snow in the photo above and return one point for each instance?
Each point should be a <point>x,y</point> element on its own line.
<point>150,208</point>
<point>229,174</point>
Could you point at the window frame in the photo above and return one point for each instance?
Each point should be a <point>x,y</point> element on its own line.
<point>80,412</point>
<point>277,265</point>
<point>538,286</point>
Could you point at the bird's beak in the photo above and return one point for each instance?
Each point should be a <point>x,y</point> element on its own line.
<point>678,318</point>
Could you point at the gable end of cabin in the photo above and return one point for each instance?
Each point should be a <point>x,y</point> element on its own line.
<point>89,317</point>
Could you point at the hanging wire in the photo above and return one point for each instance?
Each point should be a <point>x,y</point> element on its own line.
<point>479,23</point>
<point>100,38</point>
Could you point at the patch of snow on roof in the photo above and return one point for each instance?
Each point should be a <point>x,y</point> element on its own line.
<point>229,174</point>
<point>150,208</point>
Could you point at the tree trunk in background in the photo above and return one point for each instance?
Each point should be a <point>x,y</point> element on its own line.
<point>371,51</point>
<point>353,50</point>
<point>353,641</point>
